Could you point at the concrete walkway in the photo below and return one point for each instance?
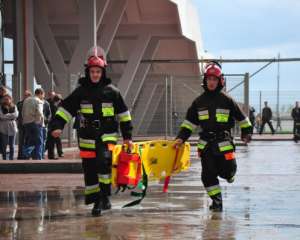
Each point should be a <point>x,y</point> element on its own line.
<point>263,203</point>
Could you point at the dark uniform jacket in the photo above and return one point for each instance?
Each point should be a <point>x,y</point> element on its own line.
<point>266,114</point>
<point>20,119</point>
<point>47,112</point>
<point>101,109</point>
<point>215,113</point>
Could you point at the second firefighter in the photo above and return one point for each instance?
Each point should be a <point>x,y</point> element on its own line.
<point>215,112</point>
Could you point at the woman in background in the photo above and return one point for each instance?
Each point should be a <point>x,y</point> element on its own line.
<point>8,126</point>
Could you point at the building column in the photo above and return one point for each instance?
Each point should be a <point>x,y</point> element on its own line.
<point>24,47</point>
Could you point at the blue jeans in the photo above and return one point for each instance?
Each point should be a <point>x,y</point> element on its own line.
<point>10,141</point>
<point>44,141</point>
<point>33,142</point>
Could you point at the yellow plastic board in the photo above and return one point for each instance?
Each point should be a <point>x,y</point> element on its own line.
<point>158,158</point>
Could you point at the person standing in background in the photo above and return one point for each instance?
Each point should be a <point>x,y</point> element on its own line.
<point>33,121</point>
<point>27,94</point>
<point>51,141</point>
<point>47,118</point>
<point>252,117</point>
<point>3,92</point>
<point>51,96</point>
<point>8,126</point>
<point>296,117</point>
<point>267,118</point>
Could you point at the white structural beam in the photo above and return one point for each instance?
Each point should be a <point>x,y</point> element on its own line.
<point>42,72</point>
<point>133,63</point>
<point>101,9</point>
<point>65,48</point>
<point>86,35</point>
<point>142,73</point>
<point>112,24</point>
<point>116,52</point>
<point>49,46</point>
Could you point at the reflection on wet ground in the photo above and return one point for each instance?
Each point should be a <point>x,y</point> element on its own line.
<point>264,202</point>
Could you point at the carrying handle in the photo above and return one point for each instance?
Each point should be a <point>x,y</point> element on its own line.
<point>167,179</point>
<point>127,150</point>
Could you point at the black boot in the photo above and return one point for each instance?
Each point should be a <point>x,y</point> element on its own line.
<point>106,205</point>
<point>296,138</point>
<point>105,193</point>
<point>96,211</point>
<point>217,205</point>
<point>230,180</point>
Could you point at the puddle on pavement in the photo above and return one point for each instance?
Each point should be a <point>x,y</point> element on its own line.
<point>264,201</point>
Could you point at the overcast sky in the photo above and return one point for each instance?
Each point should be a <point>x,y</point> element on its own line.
<point>254,29</point>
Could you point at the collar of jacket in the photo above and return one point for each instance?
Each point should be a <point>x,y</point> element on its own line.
<point>217,90</point>
<point>86,82</point>
<point>212,93</point>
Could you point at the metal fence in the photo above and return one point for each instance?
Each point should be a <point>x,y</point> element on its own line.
<point>161,105</point>
<point>164,110</point>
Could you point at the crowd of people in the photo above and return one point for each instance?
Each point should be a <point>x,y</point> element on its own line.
<point>29,119</point>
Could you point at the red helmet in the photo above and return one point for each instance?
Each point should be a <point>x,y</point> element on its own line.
<point>95,61</point>
<point>213,70</point>
<point>96,58</point>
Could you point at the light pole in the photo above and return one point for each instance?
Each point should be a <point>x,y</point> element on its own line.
<point>278,126</point>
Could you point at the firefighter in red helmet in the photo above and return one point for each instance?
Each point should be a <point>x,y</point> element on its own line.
<point>215,112</point>
<point>102,111</point>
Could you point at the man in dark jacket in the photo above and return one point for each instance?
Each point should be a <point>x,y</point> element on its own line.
<point>47,117</point>
<point>266,118</point>
<point>296,117</point>
<point>102,111</point>
<point>252,117</point>
<point>51,141</point>
<point>215,112</point>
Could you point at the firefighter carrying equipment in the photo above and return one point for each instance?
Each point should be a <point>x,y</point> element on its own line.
<point>101,112</point>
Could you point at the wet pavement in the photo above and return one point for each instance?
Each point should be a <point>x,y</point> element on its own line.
<point>263,203</point>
